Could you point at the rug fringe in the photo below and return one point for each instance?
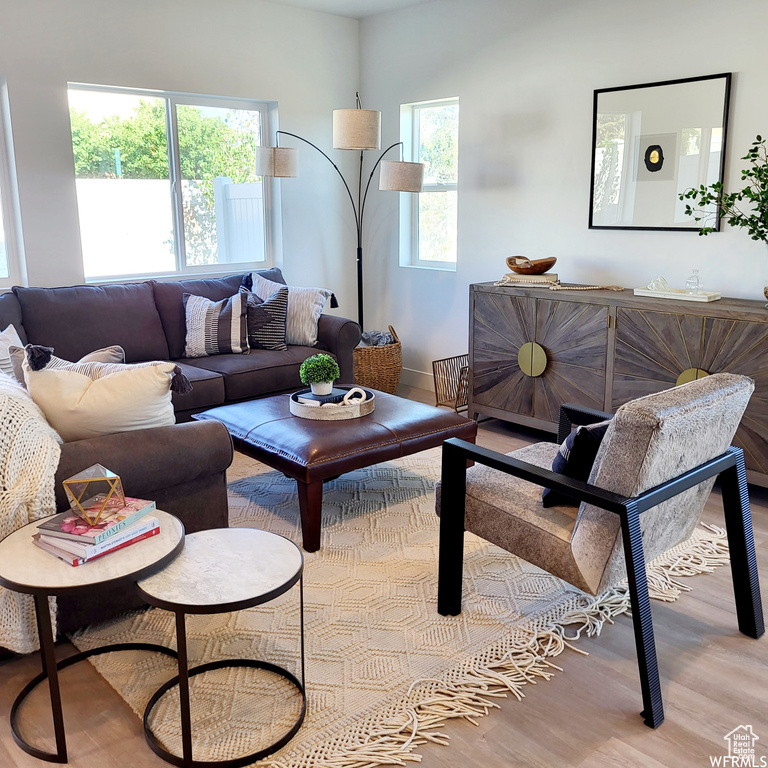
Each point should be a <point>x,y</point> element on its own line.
<point>468,692</point>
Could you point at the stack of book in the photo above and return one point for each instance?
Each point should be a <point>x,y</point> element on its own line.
<point>308,398</point>
<point>547,277</point>
<point>75,541</point>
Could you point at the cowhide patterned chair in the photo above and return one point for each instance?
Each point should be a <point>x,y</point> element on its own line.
<point>652,474</point>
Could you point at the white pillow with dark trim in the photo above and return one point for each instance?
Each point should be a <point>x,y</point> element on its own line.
<point>305,305</point>
<point>90,399</point>
<point>215,327</point>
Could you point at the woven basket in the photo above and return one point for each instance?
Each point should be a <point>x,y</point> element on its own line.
<point>379,367</point>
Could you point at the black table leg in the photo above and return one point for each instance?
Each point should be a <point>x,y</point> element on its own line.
<point>301,629</point>
<point>186,718</point>
<point>182,680</point>
<point>50,671</point>
<point>60,756</point>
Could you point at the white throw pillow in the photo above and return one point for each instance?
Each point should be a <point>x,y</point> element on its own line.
<point>305,305</point>
<point>8,338</point>
<point>108,398</point>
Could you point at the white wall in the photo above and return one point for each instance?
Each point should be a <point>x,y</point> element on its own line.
<point>306,61</point>
<point>525,73</point>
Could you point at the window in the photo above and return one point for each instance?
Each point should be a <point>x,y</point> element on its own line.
<point>166,183</point>
<point>430,133</point>
<point>11,271</point>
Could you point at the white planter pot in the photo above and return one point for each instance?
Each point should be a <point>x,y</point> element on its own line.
<point>321,387</point>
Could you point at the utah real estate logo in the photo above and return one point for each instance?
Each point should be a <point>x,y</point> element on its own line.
<point>741,750</point>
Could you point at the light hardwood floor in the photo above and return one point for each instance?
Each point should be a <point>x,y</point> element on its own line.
<point>713,680</point>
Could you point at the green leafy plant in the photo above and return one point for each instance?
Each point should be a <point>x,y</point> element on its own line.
<point>319,368</point>
<point>730,204</point>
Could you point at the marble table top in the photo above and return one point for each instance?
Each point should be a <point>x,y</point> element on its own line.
<point>224,569</point>
<point>27,568</point>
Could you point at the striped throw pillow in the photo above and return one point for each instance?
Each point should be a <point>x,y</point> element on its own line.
<point>215,327</point>
<point>266,319</point>
<point>113,354</point>
<point>8,338</point>
<point>305,305</point>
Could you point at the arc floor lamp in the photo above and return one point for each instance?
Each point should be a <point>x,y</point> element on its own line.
<point>353,129</point>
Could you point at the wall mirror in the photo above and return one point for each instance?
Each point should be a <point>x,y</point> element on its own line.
<point>650,143</point>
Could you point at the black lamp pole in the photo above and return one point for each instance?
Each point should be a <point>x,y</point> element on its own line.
<point>357,209</point>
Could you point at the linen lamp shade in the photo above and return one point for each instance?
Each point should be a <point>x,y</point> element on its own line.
<point>277,161</point>
<point>401,176</point>
<point>356,129</point>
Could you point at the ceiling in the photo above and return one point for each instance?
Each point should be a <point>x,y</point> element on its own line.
<point>354,9</point>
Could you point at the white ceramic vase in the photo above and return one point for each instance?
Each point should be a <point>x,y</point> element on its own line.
<point>321,387</point>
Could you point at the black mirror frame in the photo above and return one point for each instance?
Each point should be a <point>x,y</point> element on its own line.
<point>727,76</point>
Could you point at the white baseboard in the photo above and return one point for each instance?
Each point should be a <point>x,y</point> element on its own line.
<point>418,379</point>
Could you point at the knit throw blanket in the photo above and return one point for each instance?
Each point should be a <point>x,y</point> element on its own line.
<point>29,456</point>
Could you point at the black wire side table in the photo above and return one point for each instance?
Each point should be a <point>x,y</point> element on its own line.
<point>28,569</point>
<point>223,570</point>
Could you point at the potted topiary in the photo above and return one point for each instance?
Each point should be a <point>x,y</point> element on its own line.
<point>755,194</point>
<point>319,372</point>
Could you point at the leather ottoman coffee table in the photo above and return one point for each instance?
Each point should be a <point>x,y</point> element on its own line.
<point>312,452</point>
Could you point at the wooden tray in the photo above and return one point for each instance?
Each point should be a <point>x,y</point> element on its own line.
<point>679,294</point>
<point>332,412</point>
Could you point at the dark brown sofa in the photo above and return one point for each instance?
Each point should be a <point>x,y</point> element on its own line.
<point>182,467</point>
<point>147,320</point>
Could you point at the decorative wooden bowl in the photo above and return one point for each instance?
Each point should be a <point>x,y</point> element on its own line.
<point>522,266</point>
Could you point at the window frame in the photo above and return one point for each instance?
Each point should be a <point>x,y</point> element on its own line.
<point>271,191</point>
<point>410,129</point>
<point>9,198</point>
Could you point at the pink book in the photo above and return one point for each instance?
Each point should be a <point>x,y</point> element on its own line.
<point>74,560</point>
<point>67,525</point>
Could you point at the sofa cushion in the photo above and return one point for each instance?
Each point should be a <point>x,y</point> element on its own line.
<point>10,314</point>
<point>169,298</point>
<point>77,320</point>
<point>260,373</point>
<point>507,511</point>
<point>207,389</point>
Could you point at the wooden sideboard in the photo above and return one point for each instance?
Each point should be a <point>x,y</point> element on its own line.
<point>531,349</point>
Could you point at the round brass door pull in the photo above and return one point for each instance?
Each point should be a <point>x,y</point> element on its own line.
<point>691,374</point>
<point>532,359</point>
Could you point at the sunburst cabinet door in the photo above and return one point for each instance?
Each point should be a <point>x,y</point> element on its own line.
<point>653,350</point>
<point>575,339</point>
<point>736,346</point>
<point>501,325</point>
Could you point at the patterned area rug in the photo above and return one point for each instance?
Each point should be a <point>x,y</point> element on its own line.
<point>384,670</point>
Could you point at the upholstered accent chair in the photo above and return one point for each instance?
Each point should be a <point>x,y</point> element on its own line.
<point>652,475</point>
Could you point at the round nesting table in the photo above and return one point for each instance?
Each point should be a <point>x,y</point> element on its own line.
<point>28,569</point>
<point>222,570</point>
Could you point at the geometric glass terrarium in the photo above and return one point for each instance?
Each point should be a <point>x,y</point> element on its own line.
<point>93,491</point>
